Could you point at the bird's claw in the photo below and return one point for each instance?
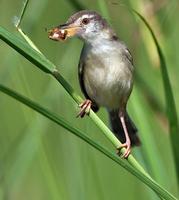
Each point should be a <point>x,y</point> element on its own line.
<point>84,108</point>
<point>127,145</point>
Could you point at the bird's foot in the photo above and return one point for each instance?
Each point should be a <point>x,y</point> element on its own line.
<point>84,108</point>
<point>127,145</point>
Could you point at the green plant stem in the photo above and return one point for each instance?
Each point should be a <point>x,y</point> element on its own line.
<point>92,115</point>
<point>107,132</point>
<point>45,65</point>
<point>25,4</point>
<point>48,67</point>
<point>60,121</point>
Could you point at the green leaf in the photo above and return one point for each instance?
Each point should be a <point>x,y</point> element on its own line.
<point>40,61</point>
<point>24,49</point>
<point>170,103</point>
<point>44,64</point>
<point>60,121</point>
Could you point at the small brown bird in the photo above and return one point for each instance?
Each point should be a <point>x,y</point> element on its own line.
<point>105,71</point>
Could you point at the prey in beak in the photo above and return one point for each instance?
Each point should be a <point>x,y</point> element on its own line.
<point>63,32</point>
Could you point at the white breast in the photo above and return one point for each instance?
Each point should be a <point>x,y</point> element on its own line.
<point>107,78</point>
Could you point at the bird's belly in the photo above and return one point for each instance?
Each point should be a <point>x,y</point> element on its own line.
<point>108,87</point>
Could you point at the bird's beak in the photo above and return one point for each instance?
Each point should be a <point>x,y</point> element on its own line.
<point>64,31</point>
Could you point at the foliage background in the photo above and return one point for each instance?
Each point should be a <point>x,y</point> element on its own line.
<point>38,159</point>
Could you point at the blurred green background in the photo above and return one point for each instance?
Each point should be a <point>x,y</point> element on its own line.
<point>40,160</point>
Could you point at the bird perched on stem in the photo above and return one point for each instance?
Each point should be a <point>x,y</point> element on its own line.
<point>105,71</point>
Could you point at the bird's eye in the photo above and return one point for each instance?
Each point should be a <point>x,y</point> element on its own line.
<point>85,21</point>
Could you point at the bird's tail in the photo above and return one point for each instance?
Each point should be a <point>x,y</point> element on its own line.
<point>118,129</point>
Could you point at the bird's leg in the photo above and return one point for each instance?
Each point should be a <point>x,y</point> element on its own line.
<point>84,108</point>
<point>127,144</point>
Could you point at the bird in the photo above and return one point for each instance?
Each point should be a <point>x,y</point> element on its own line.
<point>105,71</point>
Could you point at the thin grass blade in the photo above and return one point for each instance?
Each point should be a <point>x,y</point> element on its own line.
<point>24,49</point>
<point>25,4</point>
<point>60,121</point>
<point>170,103</point>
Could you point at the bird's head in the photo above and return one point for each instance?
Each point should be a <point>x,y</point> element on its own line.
<point>87,25</point>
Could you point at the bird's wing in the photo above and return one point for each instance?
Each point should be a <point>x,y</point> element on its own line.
<point>81,66</point>
<point>128,55</point>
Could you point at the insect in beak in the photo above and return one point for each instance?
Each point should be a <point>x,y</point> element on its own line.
<point>62,32</point>
<point>57,34</point>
